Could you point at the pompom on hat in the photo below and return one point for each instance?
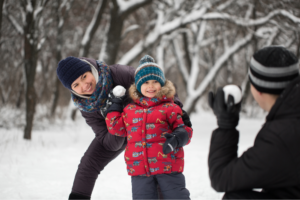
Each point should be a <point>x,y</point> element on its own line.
<point>69,69</point>
<point>272,68</point>
<point>148,70</point>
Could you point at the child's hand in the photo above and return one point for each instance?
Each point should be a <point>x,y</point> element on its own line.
<point>178,138</point>
<point>170,144</point>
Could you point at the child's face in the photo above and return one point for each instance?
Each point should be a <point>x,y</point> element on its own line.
<point>84,84</point>
<point>150,88</point>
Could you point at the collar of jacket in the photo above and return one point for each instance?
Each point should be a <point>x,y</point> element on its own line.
<point>166,94</point>
<point>287,104</point>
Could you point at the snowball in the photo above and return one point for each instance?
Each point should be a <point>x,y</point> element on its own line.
<point>119,91</point>
<point>235,91</point>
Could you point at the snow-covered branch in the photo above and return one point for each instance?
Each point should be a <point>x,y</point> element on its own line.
<point>193,94</point>
<point>127,6</point>
<point>129,29</point>
<point>88,31</point>
<point>180,60</point>
<point>160,29</point>
<point>14,22</point>
<point>195,59</point>
<point>251,22</point>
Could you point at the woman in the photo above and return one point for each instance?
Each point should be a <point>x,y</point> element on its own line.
<point>90,82</point>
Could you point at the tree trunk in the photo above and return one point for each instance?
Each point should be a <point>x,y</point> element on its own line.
<point>85,47</point>
<point>30,63</point>
<point>114,36</point>
<point>1,9</point>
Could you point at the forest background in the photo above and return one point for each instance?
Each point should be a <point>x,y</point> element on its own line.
<point>201,44</point>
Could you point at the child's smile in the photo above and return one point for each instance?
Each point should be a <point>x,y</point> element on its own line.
<point>150,88</point>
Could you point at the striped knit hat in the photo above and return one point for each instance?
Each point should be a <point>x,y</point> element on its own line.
<point>148,70</point>
<point>272,68</point>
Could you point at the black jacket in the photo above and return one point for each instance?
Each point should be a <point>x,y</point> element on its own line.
<point>273,163</point>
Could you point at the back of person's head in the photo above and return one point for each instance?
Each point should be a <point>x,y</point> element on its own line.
<point>69,69</point>
<point>272,68</point>
<point>148,70</point>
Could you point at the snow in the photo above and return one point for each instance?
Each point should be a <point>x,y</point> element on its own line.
<point>233,90</point>
<point>44,168</point>
<point>126,5</point>
<point>119,91</point>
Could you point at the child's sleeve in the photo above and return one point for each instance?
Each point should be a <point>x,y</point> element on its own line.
<point>115,124</point>
<point>175,120</point>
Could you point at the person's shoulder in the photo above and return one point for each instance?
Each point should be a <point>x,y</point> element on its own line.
<point>284,127</point>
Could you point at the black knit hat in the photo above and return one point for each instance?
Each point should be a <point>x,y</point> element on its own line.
<point>69,69</point>
<point>272,68</point>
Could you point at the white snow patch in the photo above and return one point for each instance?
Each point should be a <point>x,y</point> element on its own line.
<point>119,91</point>
<point>233,90</point>
<point>44,168</point>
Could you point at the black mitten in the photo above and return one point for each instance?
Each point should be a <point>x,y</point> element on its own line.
<point>112,104</point>
<point>78,196</point>
<point>227,113</point>
<point>178,138</point>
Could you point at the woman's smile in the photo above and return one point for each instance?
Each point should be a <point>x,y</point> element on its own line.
<point>85,84</point>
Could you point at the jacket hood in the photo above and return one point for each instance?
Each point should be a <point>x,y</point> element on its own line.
<point>168,91</point>
<point>288,103</point>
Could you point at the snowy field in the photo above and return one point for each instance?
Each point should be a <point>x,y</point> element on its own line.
<point>44,168</point>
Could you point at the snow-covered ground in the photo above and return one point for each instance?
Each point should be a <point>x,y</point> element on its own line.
<point>44,167</point>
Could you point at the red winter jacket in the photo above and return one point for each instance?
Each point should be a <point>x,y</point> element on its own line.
<point>144,123</point>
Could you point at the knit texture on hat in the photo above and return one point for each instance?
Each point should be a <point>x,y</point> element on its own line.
<point>69,69</point>
<point>148,70</point>
<point>272,68</point>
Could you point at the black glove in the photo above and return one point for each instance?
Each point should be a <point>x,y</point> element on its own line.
<point>112,104</point>
<point>227,113</point>
<point>178,138</point>
<point>186,119</point>
<point>78,196</point>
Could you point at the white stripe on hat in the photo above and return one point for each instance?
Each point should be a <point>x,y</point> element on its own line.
<point>268,84</point>
<point>148,64</point>
<point>274,71</point>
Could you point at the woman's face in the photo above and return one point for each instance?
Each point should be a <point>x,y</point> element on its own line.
<point>84,84</point>
<point>150,88</point>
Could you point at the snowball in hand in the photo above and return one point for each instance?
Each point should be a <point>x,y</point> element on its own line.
<point>119,91</point>
<point>235,91</point>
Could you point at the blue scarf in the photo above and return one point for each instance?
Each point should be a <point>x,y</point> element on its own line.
<point>98,99</point>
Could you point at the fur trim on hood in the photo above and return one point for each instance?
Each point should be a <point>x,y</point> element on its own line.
<point>167,90</point>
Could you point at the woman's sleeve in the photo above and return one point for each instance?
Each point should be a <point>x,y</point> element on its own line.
<point>97,122</point>
<point>115,124</point>
<point>175,120</point>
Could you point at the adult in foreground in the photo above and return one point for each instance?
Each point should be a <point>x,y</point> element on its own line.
<point>273,163</point>
<point>90,82</point>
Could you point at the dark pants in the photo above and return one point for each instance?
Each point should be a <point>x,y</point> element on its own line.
<point>172,186</point>
<point>248,194</point>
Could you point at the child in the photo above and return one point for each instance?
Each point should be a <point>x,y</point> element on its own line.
<point>155,133</point>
